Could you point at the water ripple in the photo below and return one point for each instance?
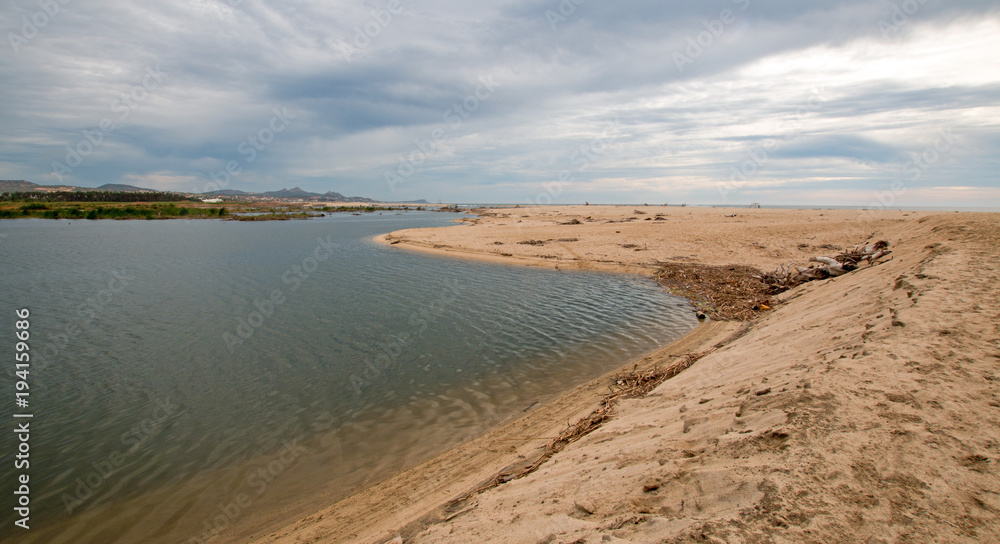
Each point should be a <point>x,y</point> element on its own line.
<point>190,379</point>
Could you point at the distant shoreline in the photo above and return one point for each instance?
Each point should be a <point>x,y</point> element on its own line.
<point>169,210</point>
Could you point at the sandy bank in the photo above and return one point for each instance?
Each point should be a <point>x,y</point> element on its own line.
<point>636,239</point>
<point>862,409</point>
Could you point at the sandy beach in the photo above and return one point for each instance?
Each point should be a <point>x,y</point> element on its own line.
<point>862,408</point>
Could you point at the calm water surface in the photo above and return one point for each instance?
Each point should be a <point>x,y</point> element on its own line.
<point>189,375</point>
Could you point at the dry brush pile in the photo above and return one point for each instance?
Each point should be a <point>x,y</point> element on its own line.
<point>742,292</point>
<point>722,292</point>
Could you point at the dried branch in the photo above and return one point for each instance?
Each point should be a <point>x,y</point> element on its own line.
<point>784,278</point>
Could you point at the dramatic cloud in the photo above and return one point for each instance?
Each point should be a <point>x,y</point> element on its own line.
<point>724,101</point>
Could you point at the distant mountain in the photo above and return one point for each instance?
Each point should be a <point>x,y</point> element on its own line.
<point>294,192</point>
<point>10,186</point>
<point>299,193</point>
<point>20,185</point>
<point>337,197</point>
<point>227,192</point>
<point>119,188</point>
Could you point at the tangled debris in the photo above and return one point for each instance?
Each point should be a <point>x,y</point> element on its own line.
<point>743,292</point>
<point>723,292</point>
<point>785,278</point>
<point>636,384</point>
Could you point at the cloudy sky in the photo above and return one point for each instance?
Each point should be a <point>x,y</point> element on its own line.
<point>723,101</point>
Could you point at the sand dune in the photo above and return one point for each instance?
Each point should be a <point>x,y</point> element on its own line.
<point>864,408</point>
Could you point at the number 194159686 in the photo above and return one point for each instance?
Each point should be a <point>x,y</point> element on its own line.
<point>22,357</point>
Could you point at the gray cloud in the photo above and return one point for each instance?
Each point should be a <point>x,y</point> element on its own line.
<point>365,86</point>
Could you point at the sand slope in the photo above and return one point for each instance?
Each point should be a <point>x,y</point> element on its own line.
<point>864,408</point>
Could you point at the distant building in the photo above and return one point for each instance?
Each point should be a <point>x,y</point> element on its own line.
<point>211,200</point>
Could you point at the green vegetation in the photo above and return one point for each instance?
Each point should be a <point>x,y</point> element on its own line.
<point>109,211</point>
<point>93,196</point>
<point>121,205</point>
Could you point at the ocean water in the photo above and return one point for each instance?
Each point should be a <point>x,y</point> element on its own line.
<point>189,376</point>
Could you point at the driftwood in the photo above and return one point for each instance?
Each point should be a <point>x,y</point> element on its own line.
<point>786,277</point>
<point>865,252</point>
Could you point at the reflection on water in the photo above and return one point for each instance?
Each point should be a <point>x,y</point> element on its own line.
<point>186,373</point>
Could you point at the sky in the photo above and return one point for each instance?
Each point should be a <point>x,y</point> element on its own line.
<point>781,102</point>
